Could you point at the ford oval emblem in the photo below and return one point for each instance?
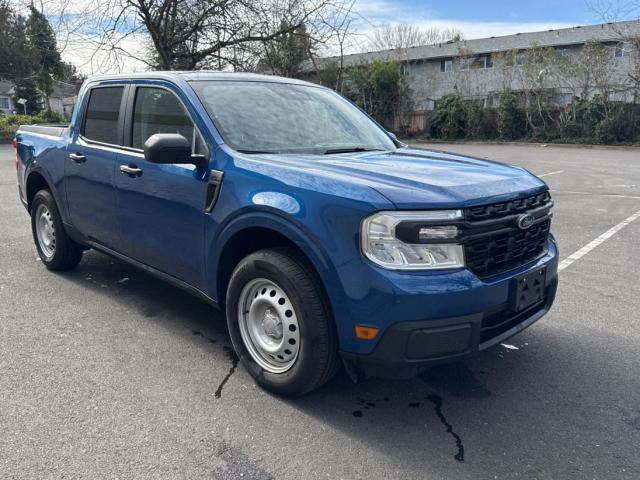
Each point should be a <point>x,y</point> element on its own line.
<point>525,221</point>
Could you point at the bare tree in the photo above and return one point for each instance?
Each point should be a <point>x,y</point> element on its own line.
<point>332,34</point>
<point>185,34</point>
<point>403,35</point>
<point>612,11</point>
<point>536,77</point>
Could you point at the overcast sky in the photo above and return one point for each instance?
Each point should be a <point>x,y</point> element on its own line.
<point>475,19</point>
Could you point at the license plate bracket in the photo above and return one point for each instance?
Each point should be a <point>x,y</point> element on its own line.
<point>529,289</point>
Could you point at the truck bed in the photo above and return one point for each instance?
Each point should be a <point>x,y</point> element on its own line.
<point>52,130</point>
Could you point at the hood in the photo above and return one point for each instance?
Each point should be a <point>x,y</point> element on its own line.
<point>411,178</point>
<point>416,178</point>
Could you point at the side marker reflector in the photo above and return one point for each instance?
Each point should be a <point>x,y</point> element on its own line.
<point>366,333</point>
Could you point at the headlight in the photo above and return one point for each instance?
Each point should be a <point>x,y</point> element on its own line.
<point>402,240</point>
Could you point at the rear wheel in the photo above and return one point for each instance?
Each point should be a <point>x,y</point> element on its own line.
<point>56,250</point>
<point>280,324</point>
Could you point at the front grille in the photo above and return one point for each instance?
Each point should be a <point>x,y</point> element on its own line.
<point>494,242</point>
<point>497,210</point>
<point>506,251</point>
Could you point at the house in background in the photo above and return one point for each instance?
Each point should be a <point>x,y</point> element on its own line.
<point>62,100</point>
<point>7,90</point>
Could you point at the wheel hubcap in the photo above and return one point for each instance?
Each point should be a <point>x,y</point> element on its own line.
<point>268,325</point>
<point>45,231</point>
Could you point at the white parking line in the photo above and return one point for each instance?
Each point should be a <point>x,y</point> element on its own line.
<point>593,244</point>
<point>551,173</point>
<point>615,195</point>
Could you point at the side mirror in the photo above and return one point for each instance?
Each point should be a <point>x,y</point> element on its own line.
<point>398,143</point>
<point>170,148</point>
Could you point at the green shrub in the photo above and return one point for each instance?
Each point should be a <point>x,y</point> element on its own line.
<point>49,116</point>
<point>595,120</point>
<point>588,114</point>
<point>9,123</point>
<point>512,122</point>
<point>481,122</point>
<point>380,89</point>
<point>449,118</point>
<point>614,129</point>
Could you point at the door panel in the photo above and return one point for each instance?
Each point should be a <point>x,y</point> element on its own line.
<point>90,193</point>
<point>161,206</point>
<point>90,167</point>
<point>161,216</point>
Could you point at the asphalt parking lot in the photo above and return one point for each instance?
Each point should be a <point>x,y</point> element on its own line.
<point>106,372</point>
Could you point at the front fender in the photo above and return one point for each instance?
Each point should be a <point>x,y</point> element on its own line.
<point>272,219</point>
<point>317,255</point>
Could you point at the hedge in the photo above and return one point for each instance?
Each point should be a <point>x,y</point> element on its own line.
<point>9,123</point>
<point>591,121</point>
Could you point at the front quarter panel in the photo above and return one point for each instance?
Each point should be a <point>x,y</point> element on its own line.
<point>321,216</point>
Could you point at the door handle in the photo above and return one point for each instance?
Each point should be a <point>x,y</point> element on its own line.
<point>77,157</point>
<point>131,170</point>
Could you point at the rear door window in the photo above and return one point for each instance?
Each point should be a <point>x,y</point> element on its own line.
<point>103,110</point>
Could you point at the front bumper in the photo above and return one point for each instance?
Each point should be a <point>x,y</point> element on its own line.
<point>433,318</point>
<point>408,348</point>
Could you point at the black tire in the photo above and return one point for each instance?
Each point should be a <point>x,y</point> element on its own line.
<point>66,254</point>
<point>317,357</point>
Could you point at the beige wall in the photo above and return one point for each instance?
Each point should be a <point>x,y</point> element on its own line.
<point>429,84</point>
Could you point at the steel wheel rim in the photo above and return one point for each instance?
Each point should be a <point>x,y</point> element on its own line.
<point>45,231</point>
<point>268,325</point>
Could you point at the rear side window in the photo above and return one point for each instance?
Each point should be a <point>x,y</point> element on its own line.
<point>101,122</point>
<point>157,110</point>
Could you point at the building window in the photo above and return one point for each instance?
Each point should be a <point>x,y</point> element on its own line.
<point>622,50</point>
<point>446,65</point>
<point>4,103</point>
<point>618,97</point>
<point>560,99</point>
<point>482,62</point>
<point>513,58</point>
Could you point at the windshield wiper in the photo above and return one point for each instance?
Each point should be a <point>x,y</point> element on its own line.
<point>351,150</point>
<point>257,152</point>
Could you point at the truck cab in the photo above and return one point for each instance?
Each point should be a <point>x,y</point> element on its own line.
<point>324,239</point>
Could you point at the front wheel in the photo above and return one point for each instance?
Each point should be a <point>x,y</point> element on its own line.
<point>280,324</point>
<point>57,251</point>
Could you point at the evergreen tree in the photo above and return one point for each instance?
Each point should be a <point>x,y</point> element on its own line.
<point>43,44</point>
<point>15,54</point>
<point>26,88</point>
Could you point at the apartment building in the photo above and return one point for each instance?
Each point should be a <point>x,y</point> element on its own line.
<point>555,61</point>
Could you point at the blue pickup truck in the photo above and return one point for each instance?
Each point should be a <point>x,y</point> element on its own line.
<point>325,239</point>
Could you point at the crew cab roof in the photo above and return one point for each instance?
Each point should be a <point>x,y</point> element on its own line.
<point>196,75</point>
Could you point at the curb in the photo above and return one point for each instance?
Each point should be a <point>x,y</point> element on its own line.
<point>524,144</point>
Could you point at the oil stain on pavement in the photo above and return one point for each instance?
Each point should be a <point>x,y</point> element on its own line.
<point>234,364</point>
<point>437,402</point>
<point>437,405</point>
<point>231,355</point>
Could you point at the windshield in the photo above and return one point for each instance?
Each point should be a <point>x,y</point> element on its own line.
<point>264,117</point>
